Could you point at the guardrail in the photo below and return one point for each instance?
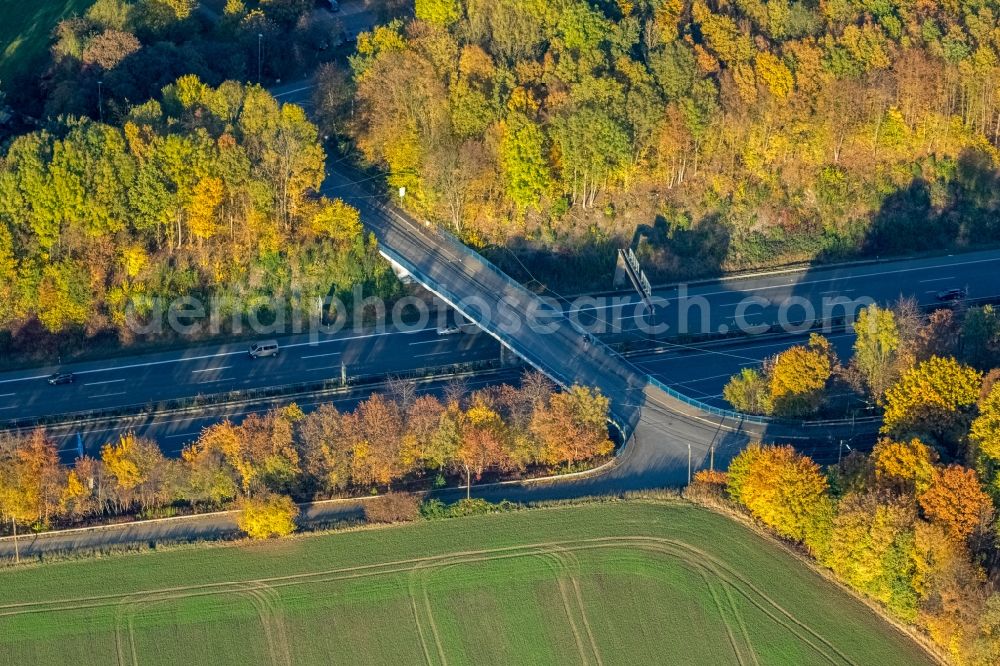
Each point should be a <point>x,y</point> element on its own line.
<point>563,381</point>
<point>389,208</point>
<point>715,411</point>
<point>248,395</point>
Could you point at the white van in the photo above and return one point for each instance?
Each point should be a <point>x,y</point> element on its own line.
<point>264,349</point>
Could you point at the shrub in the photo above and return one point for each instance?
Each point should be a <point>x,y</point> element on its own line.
<point>435,509</point>
<point>266,516</point>
<point>393,508</point>
<point>708,487</point>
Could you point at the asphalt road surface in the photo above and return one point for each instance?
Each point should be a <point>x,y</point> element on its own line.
<point>306,358</point>
<point>700,371</point>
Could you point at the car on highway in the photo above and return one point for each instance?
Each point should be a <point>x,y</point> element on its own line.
<point>61,378</point>
<point>263,349</point>
<point>951,295</point>
<point>449,330</point>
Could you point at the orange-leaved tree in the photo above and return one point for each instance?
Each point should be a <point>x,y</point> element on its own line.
<point>956,500</point>
<point>573,426</point>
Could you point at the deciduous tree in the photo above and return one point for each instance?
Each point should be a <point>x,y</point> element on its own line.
<point>784,490</point>
<point>935,397</point>
<point>957,501</point>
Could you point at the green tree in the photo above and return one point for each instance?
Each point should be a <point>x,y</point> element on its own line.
<point>748,392</point>
<point>594,146</point>
<point>876,348</point>
<point>439,12</point>
<point>980,337</point>
<point>64,296</point>
<point>526,172</point>
<point>872,549</point>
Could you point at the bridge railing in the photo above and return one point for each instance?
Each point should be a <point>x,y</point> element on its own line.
<point>453,300</point>
<point>564,381</point>
<point>705,407</point>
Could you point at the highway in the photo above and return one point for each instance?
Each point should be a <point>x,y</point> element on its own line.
<point>141,380</point>
<point>151,378</point>
<point>702,372</point>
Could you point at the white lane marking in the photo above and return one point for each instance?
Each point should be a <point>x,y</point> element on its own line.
<point>219,355</point>
<point>292,92</point>
<point>187,434</point>
<point>737,291</point>
<point>472,382</point>
<point>7,395</point>
<point>24,379</point>
<point>682,356</point>
<point>213,381</point>
<point>304,358</point>
<point>426,342</point>
<point>952,277</point>
<point>353,337</point>
<point>110,381</point>
<point>447,351</point>
<point>705,379</point>
<point>109,395</point>
<point>11,407</point>
<point>837,291</point>
<point>325,367</point>
<point>224,367</point>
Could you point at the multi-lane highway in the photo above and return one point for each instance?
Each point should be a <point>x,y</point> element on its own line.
<point>699,371</point>
<point>306,358</point>
<point>303,359</point>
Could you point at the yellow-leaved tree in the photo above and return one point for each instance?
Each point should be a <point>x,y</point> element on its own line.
<point>784,490</point>
<point>904,466</point>
<point>799,375</point>
<point>935,398</point>
<point>985,429</point>
<point>872,549</point>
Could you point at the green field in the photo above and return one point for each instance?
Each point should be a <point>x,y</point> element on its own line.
<point>613,583</point>
<point>26,28</point>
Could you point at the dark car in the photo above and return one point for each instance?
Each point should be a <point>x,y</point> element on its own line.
<point>61,378</point>
<point>951,295</point>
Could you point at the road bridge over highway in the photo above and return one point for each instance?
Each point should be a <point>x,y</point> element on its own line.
<point>669,432</point>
